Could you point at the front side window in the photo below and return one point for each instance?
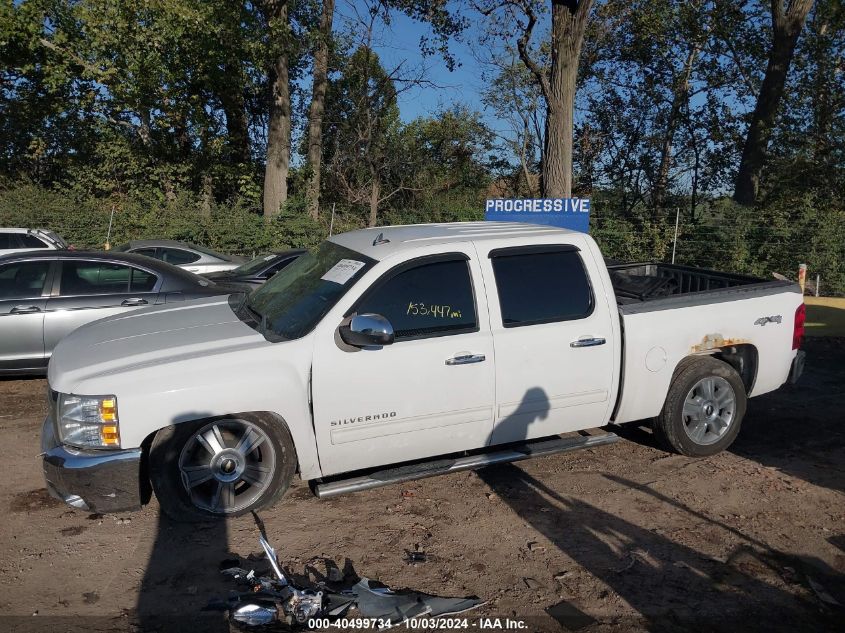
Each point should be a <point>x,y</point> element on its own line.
<point>430,299</point>
<point>178,257</point>
<point>293,301</point>
<point>541,287</point>
<point>23,280</point>
<point>93,278</point>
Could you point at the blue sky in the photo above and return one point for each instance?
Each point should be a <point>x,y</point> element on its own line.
<point>400,43</point>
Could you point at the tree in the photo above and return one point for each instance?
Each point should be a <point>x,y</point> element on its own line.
<point>279,116</point>
<point>557,81</point>
<point>787,22</point>
<point>317,108</point>
<point>362,131</point>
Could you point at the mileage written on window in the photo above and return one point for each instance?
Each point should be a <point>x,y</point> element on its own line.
<point>436,311</point>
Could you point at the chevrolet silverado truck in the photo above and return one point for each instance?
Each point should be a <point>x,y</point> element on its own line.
<point>402,352</point>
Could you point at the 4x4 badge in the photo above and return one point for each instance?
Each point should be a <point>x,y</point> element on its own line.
<point>769,319</point>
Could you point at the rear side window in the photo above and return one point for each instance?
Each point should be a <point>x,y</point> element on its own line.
<point>178,257</point>
<point>142,281</point>
<point>541,287</point>
<point>93,278</point>
<point>22,280</point>
<point>427,300</point>
<point>149,252</point>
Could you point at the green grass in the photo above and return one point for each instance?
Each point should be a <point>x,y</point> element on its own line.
<point>825,316</point>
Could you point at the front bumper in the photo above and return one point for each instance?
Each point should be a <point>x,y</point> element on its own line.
<point>797,367</point>
<point>100,481</point>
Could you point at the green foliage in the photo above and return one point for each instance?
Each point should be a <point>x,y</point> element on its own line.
<point>84,221</point>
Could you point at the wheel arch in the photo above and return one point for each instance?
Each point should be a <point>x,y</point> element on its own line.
<point>743,358</point>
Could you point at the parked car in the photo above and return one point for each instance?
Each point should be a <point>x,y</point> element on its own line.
<point>256,271</point>
<point>23,240</point>
<point>400,345</point>
<point>193,258</point>
<point>44,295</point>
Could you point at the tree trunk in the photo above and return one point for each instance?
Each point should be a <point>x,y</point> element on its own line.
<point>207,195</point>
<point>569,18</point>
<point>234,108</point>
<point>786,27</point>
<point>679,98</point>
<point>318,106</point>
<point>375,192</point>
<point>279,125</point>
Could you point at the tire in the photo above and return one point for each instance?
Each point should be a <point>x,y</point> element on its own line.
<point>221,467</point>
<point>704,408</point>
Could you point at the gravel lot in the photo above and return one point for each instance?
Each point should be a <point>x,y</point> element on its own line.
<point>627,536</point>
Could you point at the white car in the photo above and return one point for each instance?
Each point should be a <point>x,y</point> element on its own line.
<point>417,350</point>
<point>14,240</point>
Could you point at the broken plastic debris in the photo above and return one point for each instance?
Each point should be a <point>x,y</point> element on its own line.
<point>383,603</point>
<point>278,599</point>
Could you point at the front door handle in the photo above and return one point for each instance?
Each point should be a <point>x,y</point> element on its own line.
<point>466,359</point>
<point>24,310</point>
<point>134,302</point>
<point>590,341</point>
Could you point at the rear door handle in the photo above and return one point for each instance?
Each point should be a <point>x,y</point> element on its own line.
<point>466,359</point>
<point>134,302</point>
<point>590,341</point>
<point>24,310</point>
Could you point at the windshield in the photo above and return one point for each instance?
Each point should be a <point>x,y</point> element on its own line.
<point>254,265</point>
<point>295,299</point>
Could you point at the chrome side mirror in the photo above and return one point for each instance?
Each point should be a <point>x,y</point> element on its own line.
<point>365,330</point>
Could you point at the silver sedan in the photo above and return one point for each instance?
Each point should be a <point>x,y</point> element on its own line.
<point>196,259</point>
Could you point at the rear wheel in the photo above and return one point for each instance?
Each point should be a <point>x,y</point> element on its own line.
<point>704,408</point>
<point>221,467</point>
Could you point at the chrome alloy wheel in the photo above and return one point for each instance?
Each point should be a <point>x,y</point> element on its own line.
<point>709,410</point>
<point>226,465</point>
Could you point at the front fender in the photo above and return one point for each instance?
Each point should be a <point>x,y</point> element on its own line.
<point>184,389</point>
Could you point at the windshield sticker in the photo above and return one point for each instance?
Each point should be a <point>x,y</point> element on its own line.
<point>343,271</point>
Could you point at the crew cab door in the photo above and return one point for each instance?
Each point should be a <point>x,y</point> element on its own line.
<point>431,391</point>
<point>555,349</point>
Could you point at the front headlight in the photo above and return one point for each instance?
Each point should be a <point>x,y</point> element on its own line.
<point>88,421</point>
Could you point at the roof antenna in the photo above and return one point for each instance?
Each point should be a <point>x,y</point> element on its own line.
<point>380,240</point>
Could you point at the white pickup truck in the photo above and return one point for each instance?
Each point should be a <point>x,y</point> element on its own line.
<point>402,352</point>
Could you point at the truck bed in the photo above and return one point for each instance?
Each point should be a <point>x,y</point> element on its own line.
<point>661,285</point>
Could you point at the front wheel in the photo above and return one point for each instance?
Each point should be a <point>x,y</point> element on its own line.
<point>222,467</point>
<point>704,408</point>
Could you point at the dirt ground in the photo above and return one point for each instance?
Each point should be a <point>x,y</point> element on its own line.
<point>626,537</point>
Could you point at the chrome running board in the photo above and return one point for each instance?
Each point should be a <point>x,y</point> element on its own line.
<point>470,462</point>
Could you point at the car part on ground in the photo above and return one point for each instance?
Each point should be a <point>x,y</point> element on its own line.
<point>278,599</point>
<point>191,257</point>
